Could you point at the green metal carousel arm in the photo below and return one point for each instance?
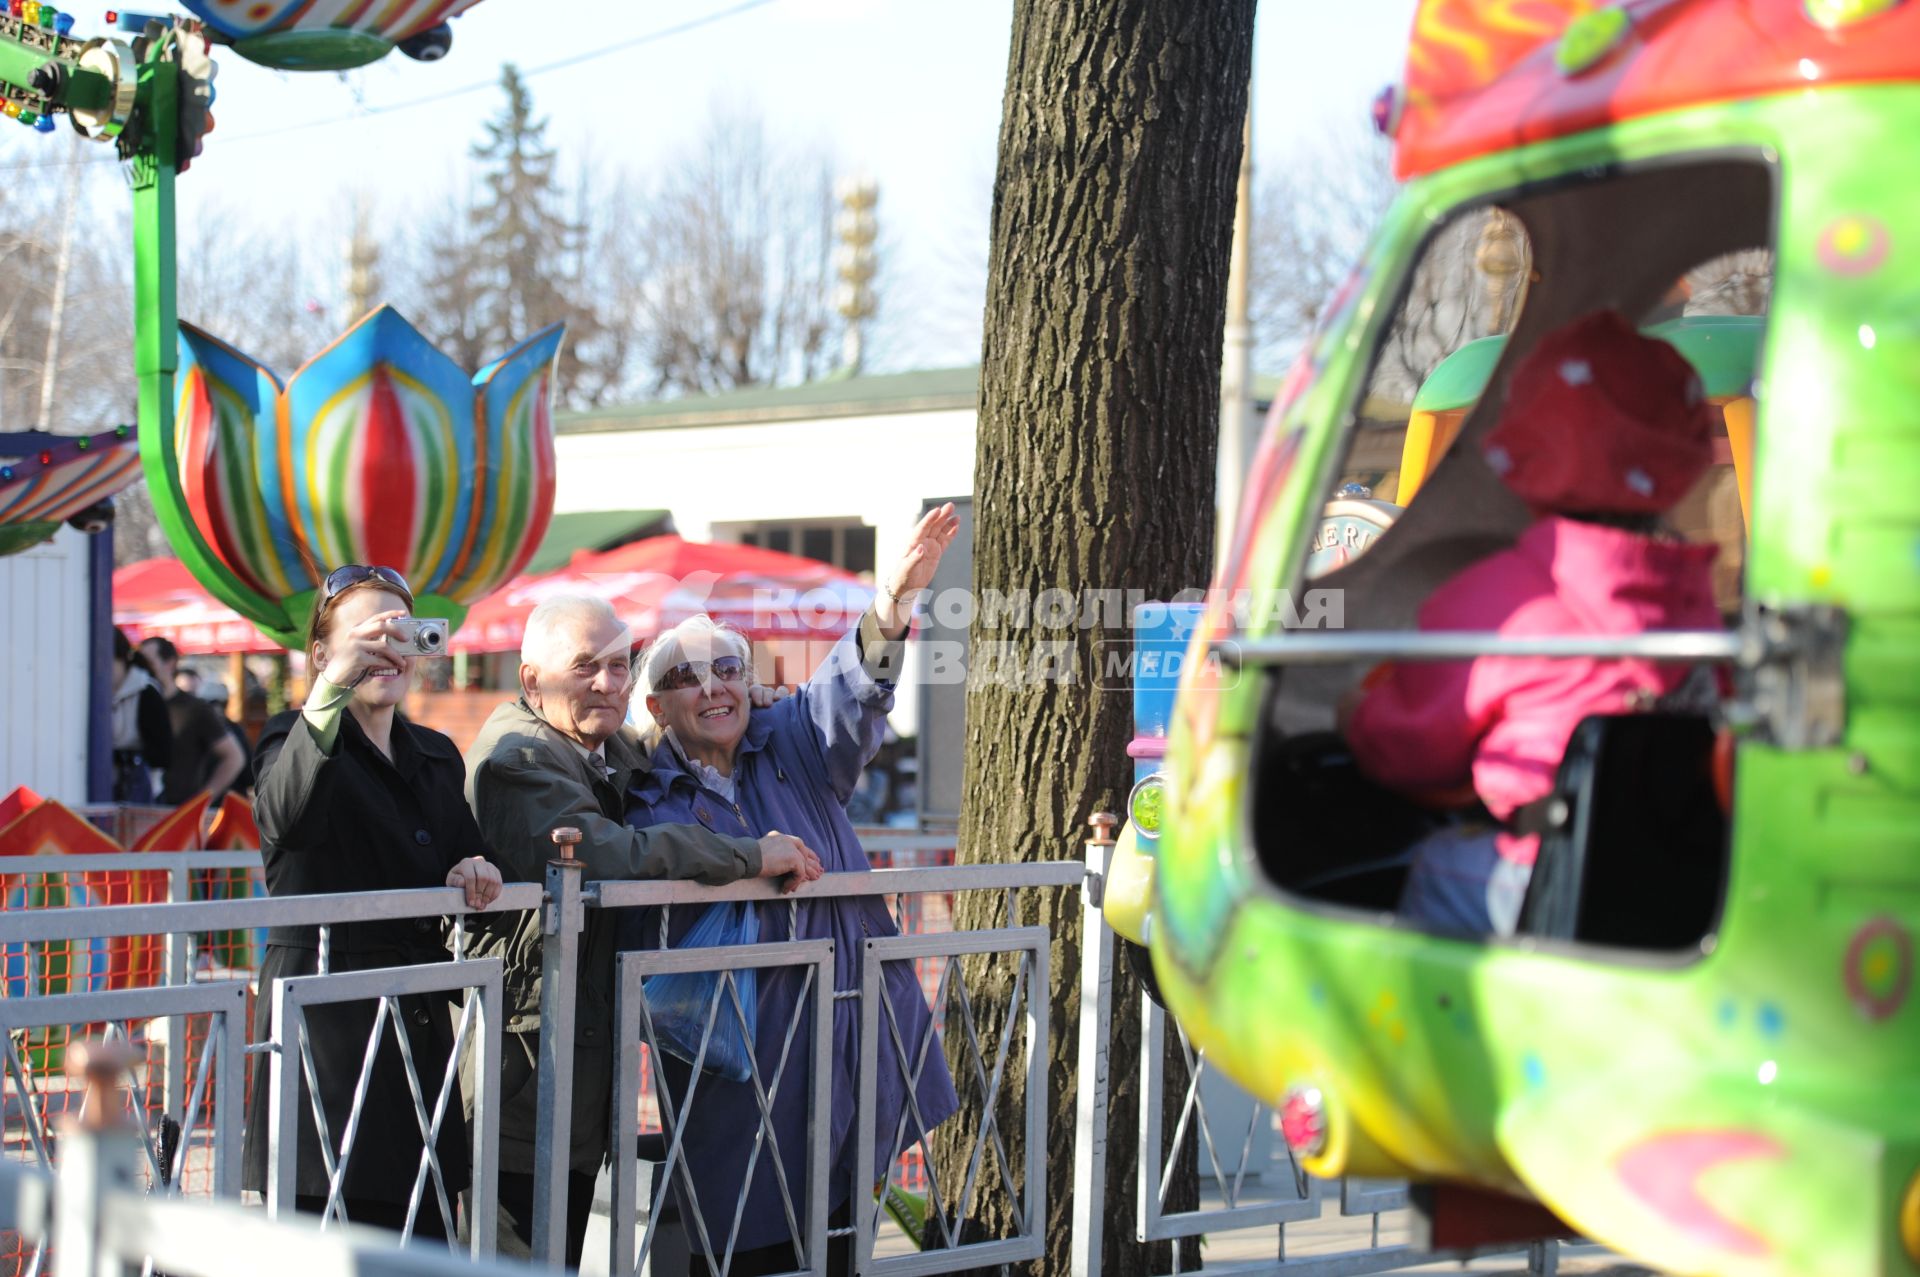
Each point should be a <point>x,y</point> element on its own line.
<point>60,79</point>
<point>44,70</point>
<point>155,162</point>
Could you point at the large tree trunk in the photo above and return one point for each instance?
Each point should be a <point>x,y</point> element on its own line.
<point>1099,407</point>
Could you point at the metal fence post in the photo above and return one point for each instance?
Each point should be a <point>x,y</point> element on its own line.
<point>98,1157</point>
<point>283,1102</point>
<point>174,1078</point>
<point>553,1137</point>
<point>484,1198</point>
<point>1096,1023</point>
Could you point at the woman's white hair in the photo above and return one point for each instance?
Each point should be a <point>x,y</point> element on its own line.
<point>557,618</point>
<point>698,638</point>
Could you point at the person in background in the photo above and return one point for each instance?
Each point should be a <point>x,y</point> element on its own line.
<point>740,770</point>
<point>204,756</point>
<point>353,798</point>
<point>214,693</point>
<point>562,755</point>
<point>142,729</point>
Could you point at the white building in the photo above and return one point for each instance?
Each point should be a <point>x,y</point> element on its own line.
<point>837,470</point>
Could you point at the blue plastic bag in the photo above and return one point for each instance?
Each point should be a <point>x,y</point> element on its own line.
<point>680,1002</point>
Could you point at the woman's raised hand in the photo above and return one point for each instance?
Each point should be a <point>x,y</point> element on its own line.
<point>760,696</point>
<point>363,649</point>
<point>915,568</point>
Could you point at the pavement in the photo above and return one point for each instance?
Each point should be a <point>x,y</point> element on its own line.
<point>1330,1234</point>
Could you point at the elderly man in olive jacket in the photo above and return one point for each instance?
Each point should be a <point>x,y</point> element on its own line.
<point>562,756</point>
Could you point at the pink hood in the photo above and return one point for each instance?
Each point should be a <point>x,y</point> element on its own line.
<point>1504,723</point>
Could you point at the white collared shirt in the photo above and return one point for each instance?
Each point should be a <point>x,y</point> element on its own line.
<point>594,757</point>
<point>707,776</point>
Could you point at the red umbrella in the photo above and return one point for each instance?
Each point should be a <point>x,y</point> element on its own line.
<point>158,598</point>
<point>153,585</point>
<point>660,581</point>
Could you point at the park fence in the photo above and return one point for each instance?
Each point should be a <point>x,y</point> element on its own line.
<point>167,972</point>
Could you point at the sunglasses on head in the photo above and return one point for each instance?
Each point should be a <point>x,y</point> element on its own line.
<point>727,669</point>
<point>349,575</point>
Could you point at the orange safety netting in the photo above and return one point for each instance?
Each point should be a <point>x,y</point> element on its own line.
<point>44,845</point>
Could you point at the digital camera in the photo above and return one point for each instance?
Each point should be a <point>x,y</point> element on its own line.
<point>420,636</point>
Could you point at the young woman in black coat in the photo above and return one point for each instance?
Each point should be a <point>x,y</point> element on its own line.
<point>351,797</point>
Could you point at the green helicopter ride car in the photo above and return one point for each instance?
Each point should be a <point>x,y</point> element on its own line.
<point>1701,1047</point>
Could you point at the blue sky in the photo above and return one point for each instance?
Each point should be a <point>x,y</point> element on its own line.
<point>905,90</point>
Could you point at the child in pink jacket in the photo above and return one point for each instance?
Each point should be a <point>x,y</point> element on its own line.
<point>1603,431</point>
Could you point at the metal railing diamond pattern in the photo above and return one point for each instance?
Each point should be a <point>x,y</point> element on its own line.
<point>1027,1011</point>
<point>292,997</point>
<point>634,1025</point>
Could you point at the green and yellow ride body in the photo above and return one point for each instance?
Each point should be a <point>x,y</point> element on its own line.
<point>1751,1107</point>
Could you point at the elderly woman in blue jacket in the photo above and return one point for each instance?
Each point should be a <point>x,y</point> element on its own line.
<point>788,768</point>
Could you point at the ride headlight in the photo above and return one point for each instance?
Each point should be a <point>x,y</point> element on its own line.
<point>1147,805</point>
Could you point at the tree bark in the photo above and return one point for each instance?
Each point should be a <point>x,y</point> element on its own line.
<point>1099,410</point>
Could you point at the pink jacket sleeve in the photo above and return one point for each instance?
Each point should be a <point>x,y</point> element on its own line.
<point>1419,728</point>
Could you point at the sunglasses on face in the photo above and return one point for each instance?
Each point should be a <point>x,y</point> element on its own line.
<point>349,575</point>
<point>727,669</point>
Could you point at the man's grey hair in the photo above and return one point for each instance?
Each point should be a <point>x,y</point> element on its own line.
<point>555,620</point>
<point>698,638</point>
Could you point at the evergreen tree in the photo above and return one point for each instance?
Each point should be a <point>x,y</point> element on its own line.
<point>519,265</point>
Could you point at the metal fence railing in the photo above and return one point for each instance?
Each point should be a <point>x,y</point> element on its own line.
<point>292,1061</point>
<point>935,957</point>
<point>634,1030</point>
<point>182,1109</point>
<point>91,1214</point>
<point>985,989</point>
<point>881,1038</point>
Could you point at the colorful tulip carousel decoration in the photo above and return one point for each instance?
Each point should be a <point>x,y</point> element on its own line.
<point>380,449</point>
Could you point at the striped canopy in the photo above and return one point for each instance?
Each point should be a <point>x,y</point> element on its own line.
<point>60,478</point>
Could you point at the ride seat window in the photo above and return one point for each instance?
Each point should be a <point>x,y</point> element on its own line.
<point>1682,251</point>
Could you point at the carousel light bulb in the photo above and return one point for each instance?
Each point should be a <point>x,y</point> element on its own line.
<point>44,124</point>
<point>46,458</point>
<point>14,7</point>
<point>11,109</point>
<point>113,17</point>
<point>63,23</point>
<point>121,432</point>
<point>6,474</point>
<point>83,443</point>
<point>27,117</point>
<point>30,13</point>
